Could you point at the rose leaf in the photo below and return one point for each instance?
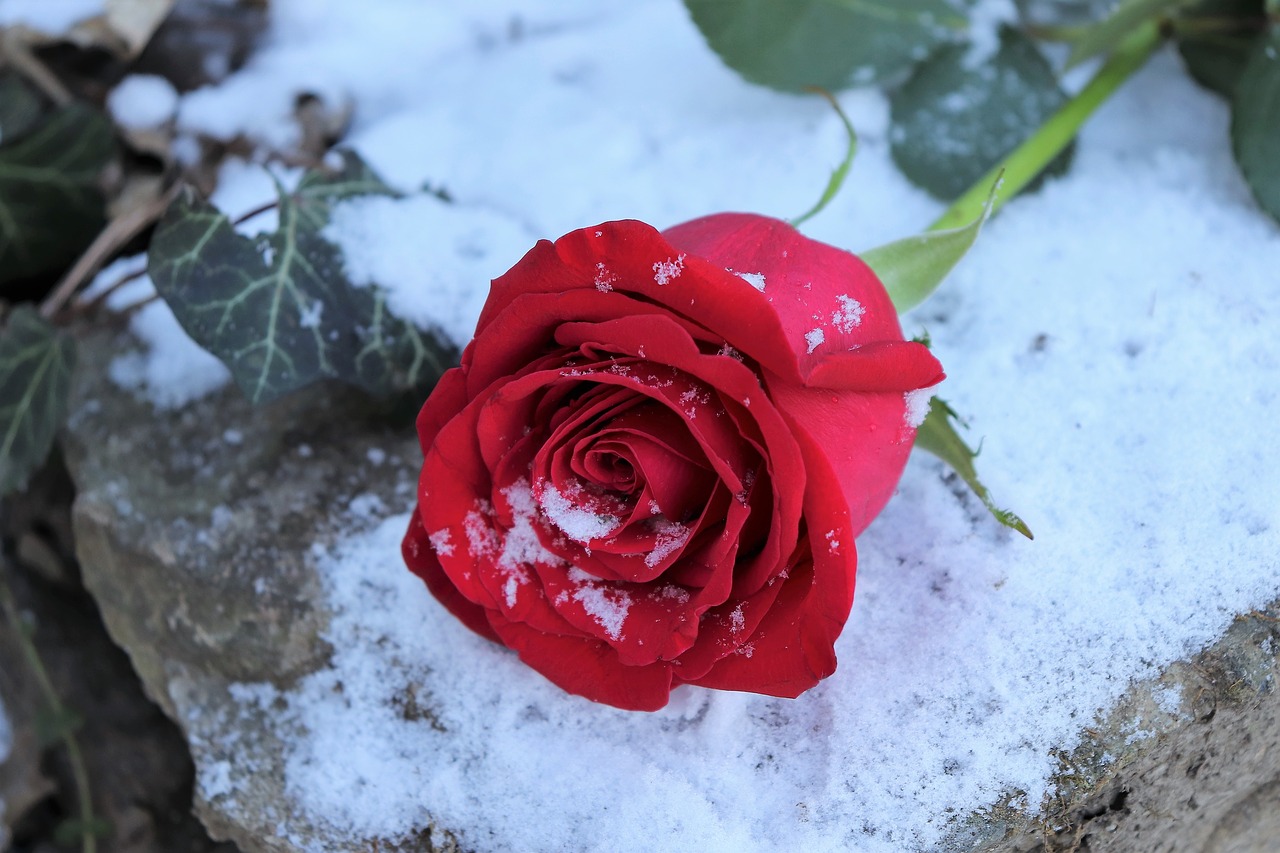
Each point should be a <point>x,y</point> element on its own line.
<point>954,119</point>
<point>35,381</point>
<point>1255,122</point>
<point>938,436</point>
<point>1215,38</point>
<point>278,308</point>
<point>50,203</point>
<point>912,268</point>
<point>830,44</point>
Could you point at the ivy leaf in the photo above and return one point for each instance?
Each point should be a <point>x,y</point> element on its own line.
<point>20,106</point>
<point>278,308</point>
<point>50,204</point>
<point>35,382</point>
<point>1216,39</point>
<point>1255,123</point>
<point>829,44</point>
<point>938,436</point>
<point>71,831</point>
<point>953,121</point>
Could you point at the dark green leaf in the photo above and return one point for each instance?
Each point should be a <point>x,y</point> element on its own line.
<point>1215,38</point>
<point>1125,18</point>
<point>73,830</point>
<point>953,122</point>
<point>20,106</point>
<point>50,204</point>
<point>278,308</point>
<point>831,44</point>
<point>1255,123</point>
<point>35,381</point>
<point>53,726</point>
<point>938,436</point>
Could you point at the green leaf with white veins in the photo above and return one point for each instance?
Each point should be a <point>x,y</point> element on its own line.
<point>278,308</point>
<point>829,44</point>
<point>50,204</point>
<point>938,436</point>
<point>35,380</point>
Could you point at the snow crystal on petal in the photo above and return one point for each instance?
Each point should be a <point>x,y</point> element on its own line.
<point>917,406</point>
<point>579,524</point>
<point>666,271</point>
<point>671,536</point>
<point>755,279</point>
<point>849,314</point>
<point>814,338</point>
<point>442,542</point>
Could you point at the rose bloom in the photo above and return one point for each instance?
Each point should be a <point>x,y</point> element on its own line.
<point>651,464</point>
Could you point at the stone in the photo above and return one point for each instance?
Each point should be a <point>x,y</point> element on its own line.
<point>199,533</point>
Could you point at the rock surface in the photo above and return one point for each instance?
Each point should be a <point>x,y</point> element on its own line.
<point>199,531</point>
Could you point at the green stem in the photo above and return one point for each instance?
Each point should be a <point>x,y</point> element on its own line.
<point>89,843</point>
<point>1030,158</point>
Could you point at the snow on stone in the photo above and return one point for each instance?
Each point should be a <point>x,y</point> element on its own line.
<point>667,271</point>
<point>754,279</point>
<point>171,370</point>
<point>967,648</point>
<point>814,338</point>
<point>849,315</point>
<point>576,522</point>
<point>143,101</point>
<point>918,406</point>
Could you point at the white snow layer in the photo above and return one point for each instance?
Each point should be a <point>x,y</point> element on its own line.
<point>51,18</point>
<point>1111,339</point>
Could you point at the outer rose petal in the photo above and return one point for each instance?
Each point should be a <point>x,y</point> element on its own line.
<point>421,559</point>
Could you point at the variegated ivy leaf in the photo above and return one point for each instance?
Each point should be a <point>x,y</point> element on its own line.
<point>278,308</point>
<point>35,380</point>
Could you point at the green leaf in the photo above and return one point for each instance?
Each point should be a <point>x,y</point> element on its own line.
<point>912,268</point>
<point>277,308</point>
<point>20,106</point>
<point>35,383</point>
<point>1125,18</point>
<point>1255,123</point>
<point>829,44</point>
<point>953,121</point>
<point>1215,38</point>
<point>938,436</point>
<point>50,204</point>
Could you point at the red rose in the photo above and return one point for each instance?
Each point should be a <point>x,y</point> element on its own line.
<point>651,465</point>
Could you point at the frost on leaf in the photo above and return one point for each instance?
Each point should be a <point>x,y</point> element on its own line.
<point>278,309</point>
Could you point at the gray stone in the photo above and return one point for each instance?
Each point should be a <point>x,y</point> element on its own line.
<point>196,532</point>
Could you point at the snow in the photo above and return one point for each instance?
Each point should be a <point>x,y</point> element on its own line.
<point>754,279</point>
<point>51,18</point>
<point>577,522</point>
<point>143,101</point>
<point>1109,339</point>
<point>172,370</point>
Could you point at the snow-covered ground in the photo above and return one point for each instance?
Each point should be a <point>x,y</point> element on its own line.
<point>1112,339</point>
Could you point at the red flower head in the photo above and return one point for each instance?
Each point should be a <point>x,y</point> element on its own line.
<point>651,465</point>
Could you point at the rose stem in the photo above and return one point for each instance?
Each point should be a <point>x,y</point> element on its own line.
<point>1030,158</point>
